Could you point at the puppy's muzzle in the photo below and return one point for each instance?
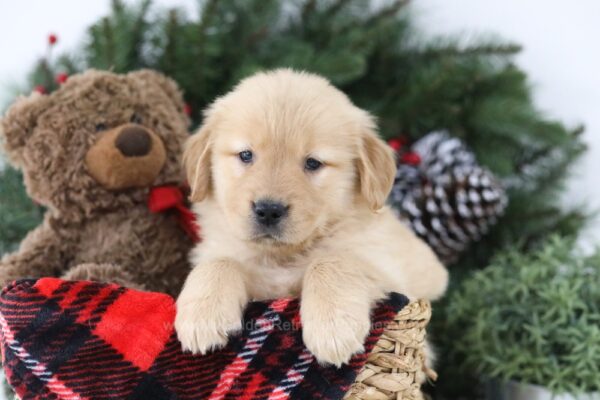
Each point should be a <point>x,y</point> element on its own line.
<point>269,213</point>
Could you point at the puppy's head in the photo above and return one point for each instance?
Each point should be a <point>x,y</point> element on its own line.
<point>285,155</point>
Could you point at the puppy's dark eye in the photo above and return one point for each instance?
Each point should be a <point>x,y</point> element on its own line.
<point>100,127</point>
<point>312,165</point>
<point>135,119</point>
<point>246,156</point>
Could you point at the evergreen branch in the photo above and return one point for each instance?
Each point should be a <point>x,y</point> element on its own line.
<point>133,55</point>
<point>256,36</point>
<point>479,50</point>
<point>19,214</point>
<point>208,11</point>
<point>577,131</point>
<point>118,7</point>
<point>565,224</point>
<point>308,9</point>
<point>109,51</point>
<point>387,12</point>
<point>47,73</point>
<point>171,30</point>
<point>336,7</point>
<point>67,64</point>
<point>375,19</point>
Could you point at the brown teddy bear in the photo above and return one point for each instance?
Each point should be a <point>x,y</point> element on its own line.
<point>91,153</point>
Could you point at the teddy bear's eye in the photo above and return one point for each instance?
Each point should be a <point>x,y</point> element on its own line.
<point>100,127</point>
<point>136,119</point>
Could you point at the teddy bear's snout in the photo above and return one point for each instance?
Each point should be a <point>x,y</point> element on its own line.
<point>126,156</point>
<point>134,141</point>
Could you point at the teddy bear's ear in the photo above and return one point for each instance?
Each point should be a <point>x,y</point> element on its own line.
<point>168,85</point>
<point>17,125</point>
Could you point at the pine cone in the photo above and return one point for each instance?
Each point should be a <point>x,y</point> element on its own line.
<point>441,154</point>
<point>408,177</point>
<point>448,200</point>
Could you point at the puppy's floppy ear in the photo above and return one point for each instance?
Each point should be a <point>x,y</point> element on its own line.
<point>376,166</point>
<point>196,160</point>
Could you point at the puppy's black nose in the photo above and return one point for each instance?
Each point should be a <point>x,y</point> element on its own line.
<point>134,141</point>
<point>269,212</point>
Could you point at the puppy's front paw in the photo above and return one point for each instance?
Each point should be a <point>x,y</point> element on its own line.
<point>202,326</point>
<point>333,335</point>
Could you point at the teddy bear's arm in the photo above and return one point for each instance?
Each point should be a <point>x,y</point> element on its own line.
<point>102,272</point>
<point>43,252</point>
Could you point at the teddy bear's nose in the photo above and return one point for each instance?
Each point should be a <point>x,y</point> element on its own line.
<point>134,141</point>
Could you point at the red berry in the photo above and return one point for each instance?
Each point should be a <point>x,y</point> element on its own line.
<point>410,158</point>
<point>61,78</point>
<point>187,109</point>
<point>395,144</point>
<point>52,39</point>
<point>41,89</point>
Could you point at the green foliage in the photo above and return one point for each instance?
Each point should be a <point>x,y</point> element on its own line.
<point>533,318</point>
<point>18,213</point>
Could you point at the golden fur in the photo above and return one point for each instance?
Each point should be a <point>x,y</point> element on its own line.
<point>339,248</point>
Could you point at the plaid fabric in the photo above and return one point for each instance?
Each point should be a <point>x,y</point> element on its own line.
<point>84,340</point>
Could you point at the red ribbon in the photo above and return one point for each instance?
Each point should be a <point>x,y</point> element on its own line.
<point>171,197</point>
<point>410,158</point>
<point>406,156</point>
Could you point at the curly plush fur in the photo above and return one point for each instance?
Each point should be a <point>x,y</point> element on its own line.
<point>108,228</point>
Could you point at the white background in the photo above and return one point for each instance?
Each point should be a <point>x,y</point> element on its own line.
<point>561,41</point>
<point>562,56</point>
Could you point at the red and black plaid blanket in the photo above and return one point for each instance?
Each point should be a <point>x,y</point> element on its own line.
<point>84,340</point>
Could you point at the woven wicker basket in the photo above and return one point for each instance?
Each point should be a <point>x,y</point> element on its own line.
<point>396,367</point>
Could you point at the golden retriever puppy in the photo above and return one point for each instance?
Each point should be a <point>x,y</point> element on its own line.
<point>289,181</point>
